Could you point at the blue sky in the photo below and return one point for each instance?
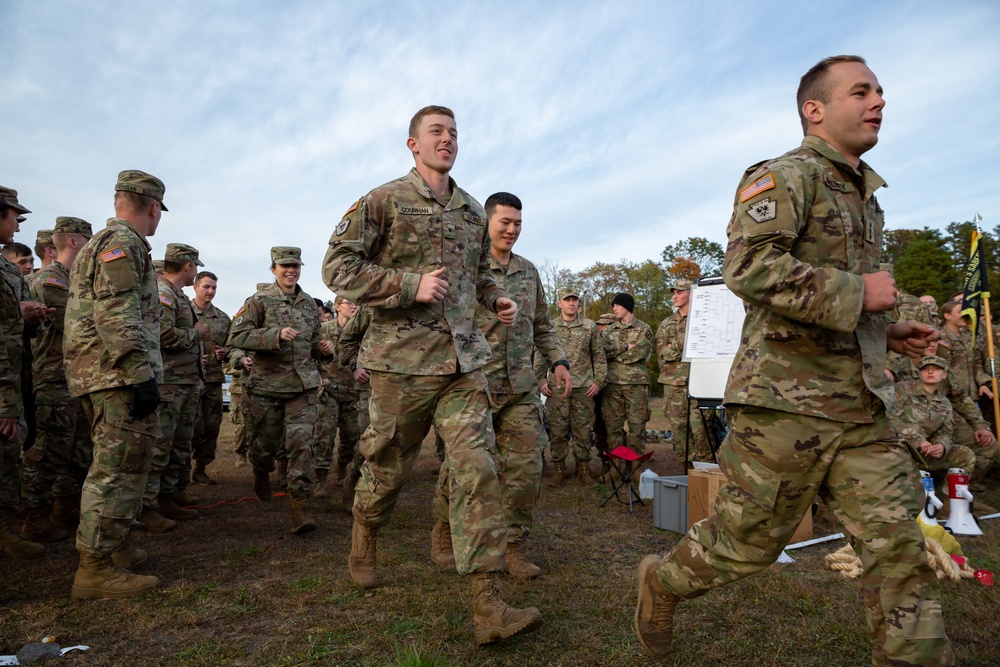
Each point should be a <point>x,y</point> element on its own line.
<point>623,126</point>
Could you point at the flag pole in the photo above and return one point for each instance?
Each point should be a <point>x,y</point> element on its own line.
<point>990,352</point>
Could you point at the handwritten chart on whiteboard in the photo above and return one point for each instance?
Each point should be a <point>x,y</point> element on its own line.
<point>715,322</point>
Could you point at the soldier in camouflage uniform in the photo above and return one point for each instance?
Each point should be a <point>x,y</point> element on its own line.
<point>237,365</point>
<point>113,364</point>
<point>807,395</point>
<point>690,445</point>
<point>347,350</point>
<point>181,336</point>
<point>63,441</point>
<point>581,341</point>
<point>924,420</point>
<point>206,429</point>
<point>416,251</point>
<point>279,324</point>
<point>628,343</point>
<point>45,250</point>
<point>909,307</point>
<point>20,256</point>
<point>515,403</point>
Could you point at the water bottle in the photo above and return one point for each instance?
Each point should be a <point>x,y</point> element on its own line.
<point>646,484</point>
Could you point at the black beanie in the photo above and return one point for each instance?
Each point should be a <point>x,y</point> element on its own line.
<point>625,301</point>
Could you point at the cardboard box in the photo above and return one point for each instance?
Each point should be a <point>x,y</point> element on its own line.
<point>704,485</point>
<point>670,503</point>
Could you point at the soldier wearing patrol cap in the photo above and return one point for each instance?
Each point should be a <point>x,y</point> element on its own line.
<point>279,325</point>
<point>181,336</point>
<point>56,464</point>
<point>45,250</point>
<point>113,364</point>
<point>807,395</point>
<point>690,445</point>
<point>628,343</point>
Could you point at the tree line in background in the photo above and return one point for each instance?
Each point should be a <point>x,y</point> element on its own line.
<point>925,261</point>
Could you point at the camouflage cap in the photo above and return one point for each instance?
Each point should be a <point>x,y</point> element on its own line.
<point>681,285</point>
<point>44,237</point>
<point>68,225</point>
<point>607,318</point>
<point>567,292</point>
<point>181,252</point>
<point>932,361</point>
<point>141,183</point>
<point>286,255</point>
<point>8,197</point>
<point>158,265</point>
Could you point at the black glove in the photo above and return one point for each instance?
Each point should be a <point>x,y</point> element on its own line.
<point>145,399</point>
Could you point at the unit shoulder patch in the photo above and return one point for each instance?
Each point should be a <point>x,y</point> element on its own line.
<point>763,210</point>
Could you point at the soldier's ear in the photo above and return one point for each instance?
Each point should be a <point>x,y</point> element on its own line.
<point>814,111</point>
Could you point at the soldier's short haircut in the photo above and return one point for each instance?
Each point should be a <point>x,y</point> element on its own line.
<point>61,239</point>
<point>14,250</point>
<point>501,199</point>
<point>132,200</point>
<point>40,249</point>
<point>172,266</point>
<point>949,306</point>
<point>205,274</point>
<point>432,110</point>
<point>815,84</point>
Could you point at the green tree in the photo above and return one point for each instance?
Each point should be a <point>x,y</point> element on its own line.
<point>708,255</point>
<point>923,262</point>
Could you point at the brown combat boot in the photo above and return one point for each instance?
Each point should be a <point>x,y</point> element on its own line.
<point>242,460</point>
<point>97,577</point>
<point>199,476</point>
<point>154,522</point>
<point>361,563</point>
<point>560,474</point>
<point>442,552</point>
<point>281,480</point>
<point>321,490</point>
<point>262,484</point>
<point>341,473</point>
<point>654,610</point>
<point>66,511</point>
<point>518,565</point>
<point>184,499</point>
<point>129,555</point>
<point>301,523</point>
<point>492,618</point>
<point>15,548</point>
<point>170,509</point>
<point>583,474</point>
<point>38,528</point>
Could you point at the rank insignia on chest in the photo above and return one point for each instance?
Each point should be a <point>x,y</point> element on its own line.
<point>112,255</point>
<point>55,282</point>
<point>870,231</point>
<point>166,300</point>
<point>763,210</point>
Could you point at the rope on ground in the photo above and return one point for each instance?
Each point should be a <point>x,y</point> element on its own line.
<point>848,564</point>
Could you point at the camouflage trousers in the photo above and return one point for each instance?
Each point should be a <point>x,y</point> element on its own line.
<point>958,457</point>
<point>775,464</point>
<point>57,463</point>
<point>170,471</point>
<point>283,426</point>
<point>678,409</point>
<point>10,471</point>
<point>600,428</point>
<point>965,435</point>
<point>207,424</point>
<point>403,408</point>
<point>338,412</point>
<point>520,439</point>
<point>241,445</point>
<point>626,404</point>
<point>123,453</point>
<point>573,415</point>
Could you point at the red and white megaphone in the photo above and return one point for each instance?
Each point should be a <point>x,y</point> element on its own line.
<point>932,504</point>
<point>960,519</point>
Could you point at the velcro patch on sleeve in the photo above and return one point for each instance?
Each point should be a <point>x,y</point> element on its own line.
<point>55,282</point>
<point>166,300</point>
<point>113,254</point>
<point>762,184</point>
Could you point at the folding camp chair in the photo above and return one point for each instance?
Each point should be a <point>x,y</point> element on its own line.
<point>626,463</point>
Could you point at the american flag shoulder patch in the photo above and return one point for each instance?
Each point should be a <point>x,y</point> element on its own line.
<point>240,311</point>
<point>113,254</point>
<point>762,184</point>
<point>166,300</point>
<point>55,282</point>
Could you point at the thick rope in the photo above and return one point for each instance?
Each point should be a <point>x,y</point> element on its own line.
<point>848,564</point>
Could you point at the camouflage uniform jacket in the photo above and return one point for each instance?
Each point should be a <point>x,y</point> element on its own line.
<point>51,287</point>
<point>805,226</point>
<point>670,348</point>
<point>921,417</point>
<point>112,327</point>
<point>12,292</point>
<point>964,370</point>
<point>233,366</point>
<point>351,336</point>
<point>218,332</point>
<point>629,347</point>
<point>280,368</point>
<point>386,241</point>
<point>581,341</point>
<point>336,375</point>
<point>180,342</point>
<point>510,371</point>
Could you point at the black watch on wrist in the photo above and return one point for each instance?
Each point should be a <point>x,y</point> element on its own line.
<point>561,362</point>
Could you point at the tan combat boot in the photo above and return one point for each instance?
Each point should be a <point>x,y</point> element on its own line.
<point>199,475</point>
<point>262,484</point>
<point>97,577</point>
<point>281,480</point>
<point>170,509</point>
<point>301,523</point>
<point>654,610</point>
<point>129,555</point>
<point>13,547</point>
<point>361,563</point>
<point>242,460</point>
<point>492,618</point>
<point>583,474</point>
<point>321,490</point>
<point>66,511</point>
<point>559,475</point>
<point>442,552</point>
<point>183,498</point>
<point>38,528</point>
<point>154,522</point>
<point>518,565</point>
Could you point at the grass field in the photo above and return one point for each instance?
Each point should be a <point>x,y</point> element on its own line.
<point>238,589</point>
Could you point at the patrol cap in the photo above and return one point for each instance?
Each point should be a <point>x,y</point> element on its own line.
<point>567,292</point>
<point>8,196</point>
<point>181,252</point>
<point>681,285</point>
<point>44,237</point>
<point>69,225</point>
<point>281,254</point>
<point>158,265</point>
<point>141,183</point>
<point>932,361</point>
<point>607,318</point>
